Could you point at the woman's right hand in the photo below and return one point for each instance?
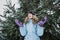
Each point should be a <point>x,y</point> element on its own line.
<point>18,23</point>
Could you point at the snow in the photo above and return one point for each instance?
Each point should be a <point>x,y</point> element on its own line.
<point>3,2</point>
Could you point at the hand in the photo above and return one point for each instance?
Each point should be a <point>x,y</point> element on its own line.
<point>18,22</point>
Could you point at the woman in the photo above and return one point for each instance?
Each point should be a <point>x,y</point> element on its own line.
<point>30,29</point>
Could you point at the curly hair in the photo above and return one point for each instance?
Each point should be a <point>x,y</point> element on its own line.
<point>35,19</point>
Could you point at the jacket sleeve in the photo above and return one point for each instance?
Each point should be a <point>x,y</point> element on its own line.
<point>40,30</point>
<point>23,30</point>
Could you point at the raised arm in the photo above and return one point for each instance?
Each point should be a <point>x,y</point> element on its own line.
<point>23,30</point>
<point>22,27</point>
<point>18,23</point>
<point>41,23</point>
<point>40,30</point>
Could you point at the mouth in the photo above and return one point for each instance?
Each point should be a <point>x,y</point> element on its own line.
<point>29,16</point>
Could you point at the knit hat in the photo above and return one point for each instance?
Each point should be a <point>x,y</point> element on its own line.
<point>32,12</point>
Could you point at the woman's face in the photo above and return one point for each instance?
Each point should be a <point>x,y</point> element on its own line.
<point>30,15</point>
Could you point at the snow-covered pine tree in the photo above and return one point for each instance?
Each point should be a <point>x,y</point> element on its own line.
<point>51,8</point>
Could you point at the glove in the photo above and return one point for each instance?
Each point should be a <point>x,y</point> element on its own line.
<point>18,23</point>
